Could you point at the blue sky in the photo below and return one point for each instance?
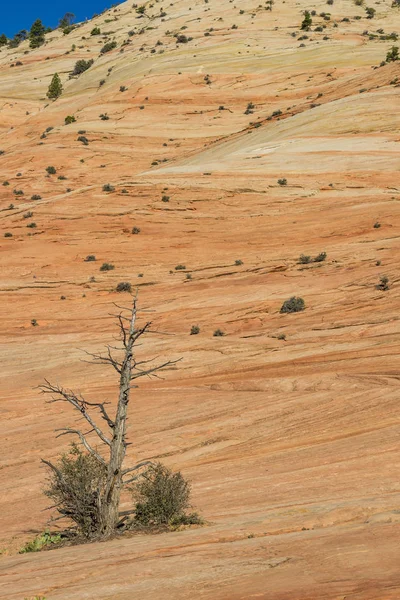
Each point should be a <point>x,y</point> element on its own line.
<point>21,14</point>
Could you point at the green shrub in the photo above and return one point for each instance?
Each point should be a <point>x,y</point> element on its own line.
<point>40,542</point>
<point>8,234</point>
<point>383,284</point>
<point>393,54</point>
<point>124,286</point>
<point>90,258</point>
<point>108,47</point>
<point>162,497</point>
<point>136,230</point>
<point>55,88</point>
<point>107,267</point>
<point>28,215</point>
<point>75,489</point>
<point>307,21</point>
<point>36,197</point>
<point>104,117</point>
<point>84,141</point>
<point>32,225</point>
<point>304,259</point>
<point>218,333</point>
<point>195,330</point>
<point>81,66</point>
<point>51,170</point>
<point>320,257</point>
<point>95,31</point>
<point>294,304</point>
<point>180,268</point>
<point>282,181</point>
<point>69,119</point>
<point>107,187</point>
<point>238,262</point>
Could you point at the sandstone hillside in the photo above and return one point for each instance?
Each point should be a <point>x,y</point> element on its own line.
<point>288,424</point>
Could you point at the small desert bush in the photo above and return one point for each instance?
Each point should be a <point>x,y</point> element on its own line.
<point>294,304</point>
<point>107,187</point>
<point>180,268</point>
<point>69,119</point>
<point>195,330</point>
<point>304,259</point>
<point>108,47</point>
<point>81,66</point>
<point>40,542</point>
<point>124,286</point>
<point>383,284</point>
<point>218,333</point>
<point>75,488</point>
<point>162,498</point>
<point>107,267</point>
<point>90,258</point>
<point>320,257</point>
<point>51,170</point>
<point>282,181</point>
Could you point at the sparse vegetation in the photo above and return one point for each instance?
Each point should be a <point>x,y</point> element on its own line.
<point>162,498</point>
<point>55,88</point>
<point>393,54</point>
<point>383,283</point>
<point>195,329</point>
<point>81,66</point>
<point>282,181</point>
<point>307,21</point>
<point>41,541</point>
<point>107,187</point>
<point>108,47</point>
<point>107,267</point>
<point>69,119</point>
<point>293,305</point>
<point>51,170</point>
<point>124,286</point>
<point>218,333</point>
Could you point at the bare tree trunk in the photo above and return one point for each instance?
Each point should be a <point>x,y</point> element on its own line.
<point>129,369</point>
<point>110,504</point>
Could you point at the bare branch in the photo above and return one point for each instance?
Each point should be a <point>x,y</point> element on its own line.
<point>104,414</point>
<point>78,403</point>
<point>53,468</point>
<point>140,465</point>
<point>99,359</point>
<point>150,372</point>
<point>67,430</point>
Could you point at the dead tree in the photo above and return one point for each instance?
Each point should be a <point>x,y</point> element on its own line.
<point>114,439</point>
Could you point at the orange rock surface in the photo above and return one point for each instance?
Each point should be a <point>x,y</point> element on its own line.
<point>292,445</point>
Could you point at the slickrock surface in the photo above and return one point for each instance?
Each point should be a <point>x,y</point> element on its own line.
<point>292,445</point>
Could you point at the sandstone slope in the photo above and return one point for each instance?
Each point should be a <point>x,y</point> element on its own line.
<point>291,444</point>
